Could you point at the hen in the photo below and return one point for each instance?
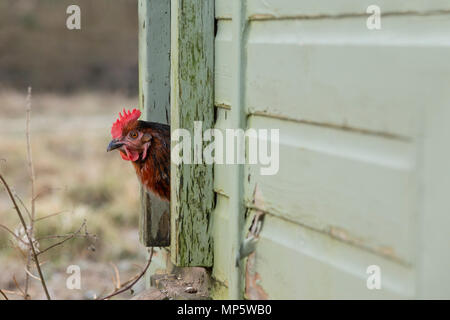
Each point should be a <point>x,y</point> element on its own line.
<point>147,146</point>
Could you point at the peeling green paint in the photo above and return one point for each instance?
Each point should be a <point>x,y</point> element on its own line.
<point>192,65</point>
<point>154,101</point>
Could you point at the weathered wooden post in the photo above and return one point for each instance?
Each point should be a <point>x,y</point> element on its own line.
<point>154,101</point>
<point>176,63</point>
<point>192,99</point>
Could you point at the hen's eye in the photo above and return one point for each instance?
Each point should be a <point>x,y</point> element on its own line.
<point>133,134</point>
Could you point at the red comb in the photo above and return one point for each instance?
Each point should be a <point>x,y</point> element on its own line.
<point>116,130</point>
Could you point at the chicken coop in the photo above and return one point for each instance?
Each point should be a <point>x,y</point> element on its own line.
<point>364,160</point>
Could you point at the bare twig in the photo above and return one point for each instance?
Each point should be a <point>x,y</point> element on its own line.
<point>29,153</point>
<point>13,234</point>
<point>15,293</point>
<point>130,280</point>
<point>15,246</point>
<point>55,245</point>
<point>3,294</point>
<point>59,236</point>
<point>116,276</point>
<point>70,236</point>
<point>51,215</point>
<point>23,204</point>
<point>32,275</point>
<point>19,288</point>
<point>130,285</point>
<point>43,192</point>
<point>137,266</point>
<point>30,240</point>
<point>32,179</point>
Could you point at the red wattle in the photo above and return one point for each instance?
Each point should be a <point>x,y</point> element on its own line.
<point>131,155</point>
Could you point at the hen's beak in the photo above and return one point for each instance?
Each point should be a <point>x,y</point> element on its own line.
<point>114,144</point>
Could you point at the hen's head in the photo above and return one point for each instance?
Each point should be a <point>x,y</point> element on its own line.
<point>128,138</point>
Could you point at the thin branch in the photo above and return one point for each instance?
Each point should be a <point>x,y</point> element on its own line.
<point>13,234</point>
<point>3,294</point>
<point>32,275</point>
<point>129,280</point>
<point>51,215</point>
<point>137,266</point>
<point>47,189</point>
<point>14,293</point>
<point>23,204</point>
<point>55,245</point>
<point>116,276</point>
<point>29,153</point>
<point>59,236</point>
<point>73,235</point>
<point>129,286</point>
<point>30,240</point>
<point>32,179</point>
<point>15,246</point>
<point>18,287</point>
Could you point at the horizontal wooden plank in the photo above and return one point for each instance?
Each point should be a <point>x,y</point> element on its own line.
<point>279,9</point>
<point>360,189</point>
<point>293,262</point>
<point>338,73</point>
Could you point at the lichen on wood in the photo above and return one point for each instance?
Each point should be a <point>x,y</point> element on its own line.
<point>192,63</point>
<point>154,100</point>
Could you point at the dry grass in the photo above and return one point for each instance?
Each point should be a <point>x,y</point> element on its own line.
<point>73,173</point>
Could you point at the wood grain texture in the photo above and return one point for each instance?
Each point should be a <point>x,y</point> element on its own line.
<point>296,262</point>
<point>332,72</point>
<point>322,9</point>
<point>154,101</point>
<point>363,120</point>
<point>192,66</point>
<point>360,189</point>
<point>433,257</point>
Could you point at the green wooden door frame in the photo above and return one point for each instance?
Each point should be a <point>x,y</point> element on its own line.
<point>176,84</point>
<point>154,101</point>
<point>192,99</point>
<point>238,121</point>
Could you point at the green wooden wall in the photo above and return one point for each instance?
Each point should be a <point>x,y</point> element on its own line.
<point>363,117</point>
<point>362,174</point>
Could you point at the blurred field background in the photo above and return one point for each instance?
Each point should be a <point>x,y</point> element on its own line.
<point>80,80</point>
